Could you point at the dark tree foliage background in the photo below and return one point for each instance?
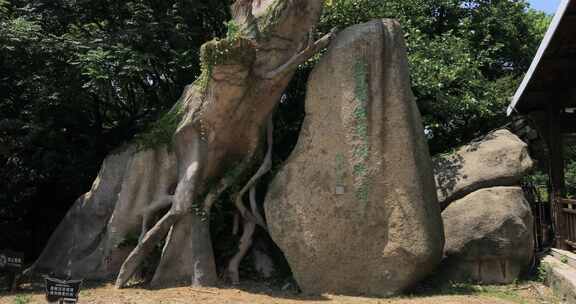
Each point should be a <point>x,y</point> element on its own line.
<point>466,57</point>
<point>80,77</point>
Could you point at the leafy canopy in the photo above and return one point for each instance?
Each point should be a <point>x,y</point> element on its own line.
<point>78,78</point>
<point>466,57</point>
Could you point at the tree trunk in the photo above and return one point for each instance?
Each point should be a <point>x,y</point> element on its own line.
<point>217,132</point>
<point>187,257</point>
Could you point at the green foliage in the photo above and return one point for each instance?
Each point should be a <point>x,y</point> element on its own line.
<point>79,78</point>
<point>571,177</point>
<point>130,240</point>
<point>162,131</point>
<point>4,8</point>
<point>539,178</point>
<point>271,16</point>
<point>542,273</point>
<point>232,29</point>
<point>507,293</point>
<point>361,148</point>
<point>22,299</point>
<point>466,57</point>
<point>236,50</point>
<point>340,168</point>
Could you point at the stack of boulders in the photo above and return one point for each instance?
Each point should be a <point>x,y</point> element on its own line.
<point>354,209</point>
<point>487,221</point>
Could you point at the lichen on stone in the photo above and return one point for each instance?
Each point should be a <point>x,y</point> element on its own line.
<point>228,51</point>
<point>361,147</point>
<point>232,50</point>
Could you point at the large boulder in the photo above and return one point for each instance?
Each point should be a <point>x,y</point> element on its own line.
<point>103,225</point>
<point>354,208</point>
<point>499,159</point>
<point>489,236</point>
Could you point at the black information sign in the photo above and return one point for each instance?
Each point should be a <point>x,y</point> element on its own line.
<point>11,260</point>
<point>62,291</point>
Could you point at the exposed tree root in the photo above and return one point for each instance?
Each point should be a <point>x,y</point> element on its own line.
<point>229,94</point>
<point>255,218</point>
<point>254,206</point>
<point>254,215</point>
<point>188,255</point>
<point>216,124</point>
<point>153,208</point>
<point>264,168</point>
<point>236,224</point>
<point>245,243</point>
<point>181,205</point>
<point>191,234</point>
<point>145,247</point>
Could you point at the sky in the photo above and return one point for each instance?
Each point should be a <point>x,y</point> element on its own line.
<point>549,6</point>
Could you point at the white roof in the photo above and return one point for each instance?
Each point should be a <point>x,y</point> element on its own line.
<point>541,50</point>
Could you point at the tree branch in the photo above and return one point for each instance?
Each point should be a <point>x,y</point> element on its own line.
<point>311,49</point>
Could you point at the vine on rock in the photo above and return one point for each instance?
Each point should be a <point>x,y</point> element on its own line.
<point>227,125</point>
<point>361,150</point>
<point>211,141</point>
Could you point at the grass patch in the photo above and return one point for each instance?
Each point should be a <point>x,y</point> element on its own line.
<point>502,292</point>
<point>22,299</point>
<point>505,292</point>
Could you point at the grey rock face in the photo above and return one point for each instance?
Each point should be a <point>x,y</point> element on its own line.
<point>489,236</point>
<point>102,226</point>
<point>354,209</point>
<point>499,159</point>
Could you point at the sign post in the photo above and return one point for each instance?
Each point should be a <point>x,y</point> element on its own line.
<point>62,291</point>
<point>11,262</point>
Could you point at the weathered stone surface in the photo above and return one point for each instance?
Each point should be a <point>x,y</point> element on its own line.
<point>499,159</point>
<point>354,209</point>
<point>560,274</point>
<point>103,225</point>
<point>489,236</point>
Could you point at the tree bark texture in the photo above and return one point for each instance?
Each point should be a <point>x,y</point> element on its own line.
<point>157,193</point>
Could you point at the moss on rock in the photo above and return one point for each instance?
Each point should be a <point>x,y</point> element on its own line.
<point>229,51</point>
<point>162,131</point>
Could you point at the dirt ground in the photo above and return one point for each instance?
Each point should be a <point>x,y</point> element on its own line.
<point>258,293</point>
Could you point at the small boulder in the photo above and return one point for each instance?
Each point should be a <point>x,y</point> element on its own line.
<point>489,237</point>
<point>354,208</point>
<point>499,159</point>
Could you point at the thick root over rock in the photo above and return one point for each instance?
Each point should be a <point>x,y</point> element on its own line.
<point>245,243</point>
<point>196,266</point>
<point>219,125</point>
<point>250,220</point>
<point>145,247</point>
